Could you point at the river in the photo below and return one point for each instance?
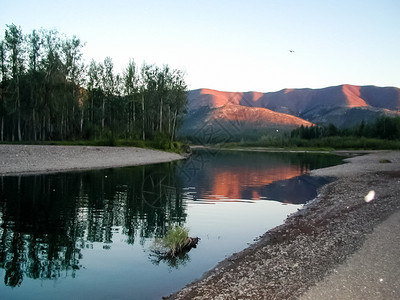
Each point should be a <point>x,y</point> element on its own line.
<point>90,233</point>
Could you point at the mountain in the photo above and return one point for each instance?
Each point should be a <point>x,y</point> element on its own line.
<point>234,113</point>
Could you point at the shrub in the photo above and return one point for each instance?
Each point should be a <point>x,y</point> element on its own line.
<point>175,239</point>
<point>175,242</point>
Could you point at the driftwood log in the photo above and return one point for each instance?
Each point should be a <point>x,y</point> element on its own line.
<point>184,247</point>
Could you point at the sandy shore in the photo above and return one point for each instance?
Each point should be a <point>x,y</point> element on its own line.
<point>30,159</point>
<point>330,243</point>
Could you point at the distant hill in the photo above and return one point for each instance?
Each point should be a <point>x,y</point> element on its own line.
<point>236,114</point>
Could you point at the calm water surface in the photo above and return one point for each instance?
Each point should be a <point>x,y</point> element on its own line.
<point>89,234</point>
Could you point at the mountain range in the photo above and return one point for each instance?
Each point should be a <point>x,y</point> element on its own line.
<point>231,114</point>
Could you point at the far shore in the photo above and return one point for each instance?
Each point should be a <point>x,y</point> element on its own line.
<point>342,152</point>
<point>36,159</point>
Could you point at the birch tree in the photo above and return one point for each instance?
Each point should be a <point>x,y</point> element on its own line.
<point>3,80</point>
<point>34,47</point>
<point>131,91</point>
<point>47,92</point>
<point>13,40</point>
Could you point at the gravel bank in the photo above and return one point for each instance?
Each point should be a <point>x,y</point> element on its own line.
<point>29,159</point>
<point>370,273</point>
<point>291,259</point>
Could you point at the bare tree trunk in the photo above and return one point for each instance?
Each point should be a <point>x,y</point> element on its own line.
<point>81,127</point>
<point>2,129</point>
<point>143,118</point>
<point>92,110</point>
<point>161,105</point>
<point>103,113</point>
<point>33,115</point>
<point>134,116</point>
<point>19,111</point>
<point>62,124</point>
<point>174,125</point>
<point>169,119</point>
<point>50,130</point>
<point>44,129</point>
<point>34,124</point>
<point>19,127</point>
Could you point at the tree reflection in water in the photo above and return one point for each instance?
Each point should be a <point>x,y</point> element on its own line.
<point>172,262</point>
<point>46,220</point>
<point>49,222</point>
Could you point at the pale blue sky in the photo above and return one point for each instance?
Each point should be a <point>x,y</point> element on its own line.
<point>233,45</point>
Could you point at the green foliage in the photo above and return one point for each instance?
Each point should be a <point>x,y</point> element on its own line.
<point>384,133</point>
<point>48,93</point>
<point>386,128</point>
<point>176,238</point>
<point>338,142</point>
<point>173,242</point>
<point>108,139</point>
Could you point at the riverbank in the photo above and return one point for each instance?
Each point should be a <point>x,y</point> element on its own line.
<point>32,159</point>
<point>317,241</point>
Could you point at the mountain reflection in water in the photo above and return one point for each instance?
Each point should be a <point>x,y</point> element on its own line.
<point>60,226</point>
<point>243,176</point>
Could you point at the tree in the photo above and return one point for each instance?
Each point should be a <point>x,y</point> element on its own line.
<point>34,47</point>
<point>74,70</point>
<point>146,90</point>
<point>164,92</point>
<point>3,80</point>
<point>387,128</point>
<point>47,92</point>
<point>131,90</point>
<point>332,130</point>
<point>54,80</point>
<point>14,39</point>
<point>178,102</point>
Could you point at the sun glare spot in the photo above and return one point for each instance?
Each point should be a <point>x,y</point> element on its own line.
<point>370,196</point>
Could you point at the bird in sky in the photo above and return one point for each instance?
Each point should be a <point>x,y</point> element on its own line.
<point>291,51</point>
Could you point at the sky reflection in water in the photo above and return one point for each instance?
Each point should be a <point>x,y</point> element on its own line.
<point>89,234</point>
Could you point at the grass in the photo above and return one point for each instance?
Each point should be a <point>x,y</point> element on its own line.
<point>175,239</point>
<point>173,242</point>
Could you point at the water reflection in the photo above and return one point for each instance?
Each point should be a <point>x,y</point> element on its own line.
<point>296,190</point>
<point>242,176</point>
<point>181,259</point>
<point>53,226</point>
<point>46,220</point>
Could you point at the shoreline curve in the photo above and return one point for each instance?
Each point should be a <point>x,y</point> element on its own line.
<point>37,159</point>
<point>290,260</point>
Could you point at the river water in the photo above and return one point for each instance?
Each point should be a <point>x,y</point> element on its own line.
<point>77,235</point>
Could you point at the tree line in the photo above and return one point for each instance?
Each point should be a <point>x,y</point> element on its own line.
<point>382,133</point>
<point>48,92</point>
<point>384,127</point>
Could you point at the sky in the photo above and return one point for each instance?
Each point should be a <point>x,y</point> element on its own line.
<point>232,45</point>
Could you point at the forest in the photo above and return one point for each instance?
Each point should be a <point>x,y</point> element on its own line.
<point>48,92</point>
<point>384,127</point>
<point>382,133</point>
